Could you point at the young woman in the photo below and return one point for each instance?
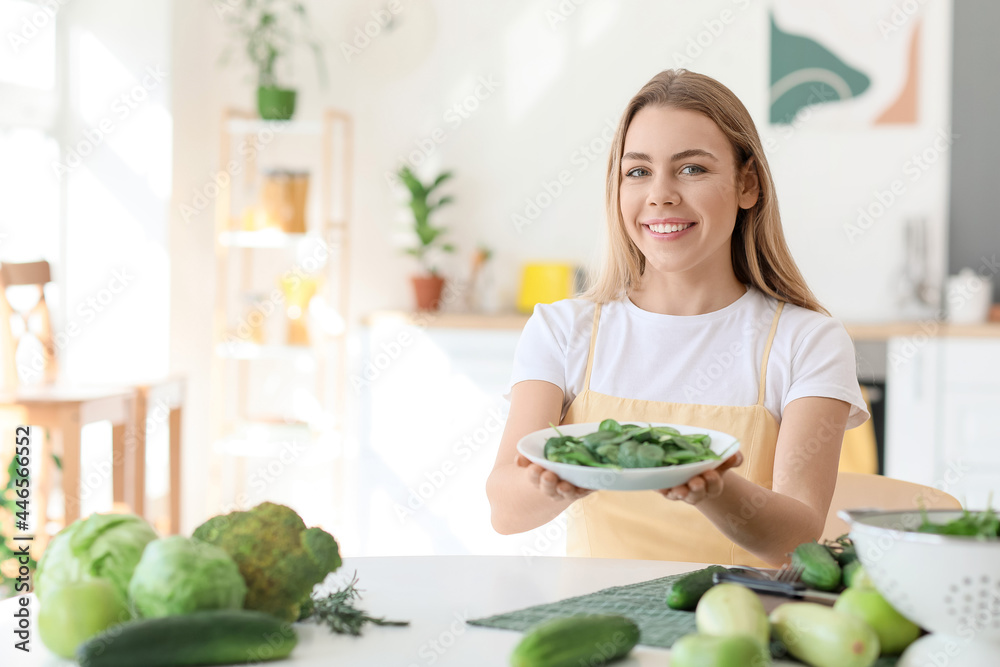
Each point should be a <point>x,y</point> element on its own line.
<point>699,317</point>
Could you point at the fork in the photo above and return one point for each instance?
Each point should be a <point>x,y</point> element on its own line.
<point>788,573</point>
<point>784,582</point>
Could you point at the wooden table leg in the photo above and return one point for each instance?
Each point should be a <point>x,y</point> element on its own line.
<point>138,485</point>
<point>69,436</point>
<point>119,464</point>
<point>175,471</point>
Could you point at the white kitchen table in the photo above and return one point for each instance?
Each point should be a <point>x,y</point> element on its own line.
<point>437,594</point>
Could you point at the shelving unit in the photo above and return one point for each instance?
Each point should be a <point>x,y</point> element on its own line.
<point>303,383</point>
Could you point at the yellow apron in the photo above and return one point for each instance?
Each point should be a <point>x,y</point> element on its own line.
<point>859,452</point>
<point>644,524</point>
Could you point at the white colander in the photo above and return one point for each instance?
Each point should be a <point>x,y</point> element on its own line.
<point>947,585</point>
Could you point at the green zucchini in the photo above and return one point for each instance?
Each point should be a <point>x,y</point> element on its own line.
<point>685,592</point>
<point>711,651</point>
<point>218,637</point>
<point>819,568</point>
<point>732,610</point>
<point>823,637</point>
<point>572,641</point>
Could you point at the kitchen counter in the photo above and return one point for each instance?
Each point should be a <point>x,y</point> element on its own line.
<point>437,594</point>
<point>930,328</point>
<point>515,321</point>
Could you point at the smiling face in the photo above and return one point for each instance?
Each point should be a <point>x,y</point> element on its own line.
<point>679,196</point>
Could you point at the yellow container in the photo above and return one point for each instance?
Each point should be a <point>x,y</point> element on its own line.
<point>545,283</point>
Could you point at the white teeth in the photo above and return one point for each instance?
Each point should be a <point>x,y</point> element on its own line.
<point>663,229</point>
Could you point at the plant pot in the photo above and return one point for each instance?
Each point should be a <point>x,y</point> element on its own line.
<point>275,103</point>
<point>427,288</point>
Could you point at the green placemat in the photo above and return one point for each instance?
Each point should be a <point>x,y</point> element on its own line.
<point>644,603</point>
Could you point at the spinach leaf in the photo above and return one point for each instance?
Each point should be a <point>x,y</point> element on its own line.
<point>616,445</point>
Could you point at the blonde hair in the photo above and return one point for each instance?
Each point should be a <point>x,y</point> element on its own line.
<point>760,255</point>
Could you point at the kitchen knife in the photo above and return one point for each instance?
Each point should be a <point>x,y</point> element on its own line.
<point>789,589</point>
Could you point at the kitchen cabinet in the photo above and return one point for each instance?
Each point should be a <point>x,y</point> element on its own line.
<point>430,391</point>
<point>942,416</point>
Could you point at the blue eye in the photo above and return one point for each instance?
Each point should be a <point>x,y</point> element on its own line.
<point>693,166</point>
<point>631,172</point>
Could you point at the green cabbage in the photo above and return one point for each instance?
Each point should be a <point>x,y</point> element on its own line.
<point>101,546</point>
<point>179,575</point>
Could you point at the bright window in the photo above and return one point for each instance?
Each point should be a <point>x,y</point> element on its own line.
<point>29,195</point>
<point>29,186</point>
<point>28,52</point>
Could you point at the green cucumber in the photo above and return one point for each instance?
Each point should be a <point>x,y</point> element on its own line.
<point>571,641</point>
<point>820,569</point>
<point>219,637</point>
<point>861,579</point>
<point>685,592</point>
<point>849,572</point>
<point>846,555</point>
<point>711,651</point>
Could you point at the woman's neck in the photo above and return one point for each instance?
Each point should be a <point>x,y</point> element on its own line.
<point>676,294</point>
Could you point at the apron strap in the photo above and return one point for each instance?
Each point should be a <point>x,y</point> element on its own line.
<point>593,345</point>
<point>767,353</point>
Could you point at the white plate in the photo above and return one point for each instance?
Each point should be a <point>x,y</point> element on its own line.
<point>532,446</point>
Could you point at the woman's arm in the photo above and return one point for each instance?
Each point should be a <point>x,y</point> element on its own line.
<point>770,524</point>
<point>523,495</point>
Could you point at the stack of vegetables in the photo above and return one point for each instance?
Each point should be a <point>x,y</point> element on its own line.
<point>112,594</point>
<point>733,628</point>
<point>854,632</point>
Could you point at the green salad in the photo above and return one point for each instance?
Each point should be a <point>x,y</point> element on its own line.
<point>615,445</point>
<point>984,524</point>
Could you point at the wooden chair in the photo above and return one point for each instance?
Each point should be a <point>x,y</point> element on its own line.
<point>858,490</point>
<point>157,403</point>
<point>63,410</point>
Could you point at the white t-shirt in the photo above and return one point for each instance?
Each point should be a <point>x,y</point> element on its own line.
<point>710,359</point>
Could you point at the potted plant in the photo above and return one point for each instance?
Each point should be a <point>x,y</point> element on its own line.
<point>269,29</point>
<point>429,284</point>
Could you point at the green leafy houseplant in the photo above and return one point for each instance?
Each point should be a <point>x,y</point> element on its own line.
<point>268,30</point>
<point>429,237</point>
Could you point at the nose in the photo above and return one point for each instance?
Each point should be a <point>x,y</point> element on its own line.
<point>663,190</point>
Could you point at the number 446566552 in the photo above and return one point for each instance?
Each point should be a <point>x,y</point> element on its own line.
<point>22,457</point>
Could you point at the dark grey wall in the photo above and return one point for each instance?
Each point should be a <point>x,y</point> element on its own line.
<point>974,224</point>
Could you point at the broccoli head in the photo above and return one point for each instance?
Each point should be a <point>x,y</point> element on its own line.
<point>280,559</point>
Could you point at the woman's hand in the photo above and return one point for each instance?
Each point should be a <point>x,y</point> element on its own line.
<point>706,485</point>
<point>549,483</point>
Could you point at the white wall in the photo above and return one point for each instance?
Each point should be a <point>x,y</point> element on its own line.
<point>558,87</point>
<point>196,111</point>
<point>558,84</point>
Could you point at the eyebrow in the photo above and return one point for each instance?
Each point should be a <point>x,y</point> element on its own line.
<point>683,155</point>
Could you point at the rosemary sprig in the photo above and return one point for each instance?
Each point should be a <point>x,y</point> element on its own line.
<point>337,611</point>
